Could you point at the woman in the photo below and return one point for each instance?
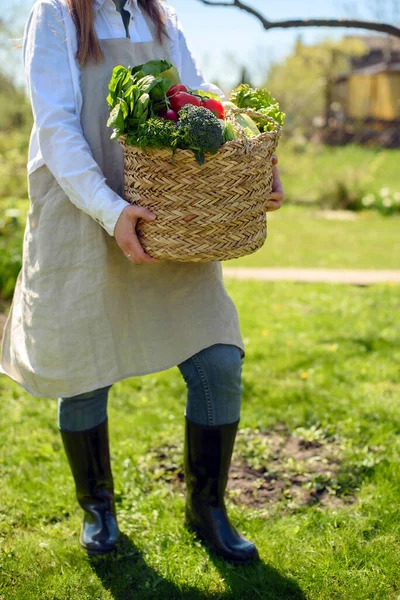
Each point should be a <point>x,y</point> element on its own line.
<point>90,306</point>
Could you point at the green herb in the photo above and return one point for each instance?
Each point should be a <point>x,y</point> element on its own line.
<point>155,133</point>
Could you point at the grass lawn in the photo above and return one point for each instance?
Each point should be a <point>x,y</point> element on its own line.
<point>315,170</point>
<point>315,481</point>
<point>302,237</point>
<point>298,236</point>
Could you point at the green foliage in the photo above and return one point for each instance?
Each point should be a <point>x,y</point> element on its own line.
<point>15,111</point>
<point>11,232</point>
<point>322,364</point>
<point>13,159</point>
<point>13,206</point>
<point>348,177</point>
<point>300,80</point>
<point>15,125</point>
<point>353,195</point>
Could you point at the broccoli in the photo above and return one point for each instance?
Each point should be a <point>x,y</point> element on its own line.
<point>199,131</point>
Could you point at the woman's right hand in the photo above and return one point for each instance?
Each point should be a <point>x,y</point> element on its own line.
<point>126,237</point>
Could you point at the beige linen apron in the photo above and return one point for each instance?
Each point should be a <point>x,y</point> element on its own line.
<point>83,316</point>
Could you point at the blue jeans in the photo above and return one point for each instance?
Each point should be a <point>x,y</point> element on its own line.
<point>214,384</point>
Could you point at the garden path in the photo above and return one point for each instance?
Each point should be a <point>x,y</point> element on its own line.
<point>346,276</point>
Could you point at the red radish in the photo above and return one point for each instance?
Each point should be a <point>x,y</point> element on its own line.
<point>169,115</point>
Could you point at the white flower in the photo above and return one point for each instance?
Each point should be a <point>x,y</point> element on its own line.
<point>384,192</point>
<point>368,200</point>
<point>12,213</point>
<point>387,203</point>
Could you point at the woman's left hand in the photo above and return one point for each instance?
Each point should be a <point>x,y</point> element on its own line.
<point>277,195</point>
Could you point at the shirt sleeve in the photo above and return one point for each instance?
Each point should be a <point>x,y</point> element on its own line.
<point>184,61</point>
<point>60,136</point>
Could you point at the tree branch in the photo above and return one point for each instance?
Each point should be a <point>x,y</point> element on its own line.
<point>353,23</point>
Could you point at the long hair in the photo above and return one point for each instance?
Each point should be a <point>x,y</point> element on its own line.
<point>82,13</point>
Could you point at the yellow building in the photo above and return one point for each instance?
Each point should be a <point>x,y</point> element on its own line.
<point>366,100</point>
<point>372,93</point>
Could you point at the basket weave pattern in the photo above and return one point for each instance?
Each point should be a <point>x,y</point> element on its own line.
<point>204,213</point>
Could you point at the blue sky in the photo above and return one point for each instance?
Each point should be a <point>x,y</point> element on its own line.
<point>220,38</point>
<point>214,33</point>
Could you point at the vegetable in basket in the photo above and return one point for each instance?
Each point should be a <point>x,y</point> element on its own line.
<point>258,99</point>
<point>155,133</point>
<point>244,121</point>
<point>229,131</point>
<point>159,68</point>
<point>153,109</point>
<point>181,99</point>
<point>199,131</point>
<point>180,95</point>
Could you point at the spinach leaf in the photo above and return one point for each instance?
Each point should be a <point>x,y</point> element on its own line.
<point>153,67</point>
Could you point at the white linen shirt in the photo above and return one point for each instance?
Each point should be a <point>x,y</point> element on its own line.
<point>53,80</point>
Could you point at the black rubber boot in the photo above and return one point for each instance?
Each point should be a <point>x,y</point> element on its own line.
<point>89,458</point>
<point>207,458</point>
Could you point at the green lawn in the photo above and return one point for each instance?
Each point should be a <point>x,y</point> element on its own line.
<point>302,237</point>
<point>319,436</point>
<point>312,172</point>
<point>297,237</point>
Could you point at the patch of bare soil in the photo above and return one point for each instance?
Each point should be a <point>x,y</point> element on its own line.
<point>296,471</point>
<point>271,467</point>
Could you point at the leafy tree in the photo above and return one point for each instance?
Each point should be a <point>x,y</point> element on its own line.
<point>303,81</point>
<point>15,112</point>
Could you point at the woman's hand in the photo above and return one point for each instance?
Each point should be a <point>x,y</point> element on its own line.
<point>277,196</point>
<point>126,237</point>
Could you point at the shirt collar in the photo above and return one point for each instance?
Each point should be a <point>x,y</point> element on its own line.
<point>99,3</point>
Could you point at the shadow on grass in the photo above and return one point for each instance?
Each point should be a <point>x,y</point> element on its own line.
<point>127,577</point>
<point>354,347</point>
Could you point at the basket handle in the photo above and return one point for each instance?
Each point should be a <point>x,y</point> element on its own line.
<point>252,113</point>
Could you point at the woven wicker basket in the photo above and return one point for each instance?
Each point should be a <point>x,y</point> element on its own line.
<point>204,213</point>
